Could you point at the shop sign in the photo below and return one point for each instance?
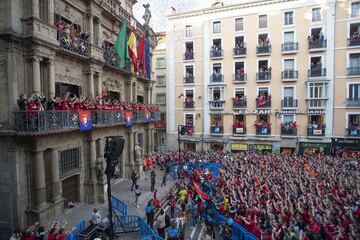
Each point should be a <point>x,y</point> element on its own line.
<point>317,131</point>
<point>268,111</point>
<point>239,130</point>
<point>239,147</point>
<point>263,147</point>
<point>314,145</point>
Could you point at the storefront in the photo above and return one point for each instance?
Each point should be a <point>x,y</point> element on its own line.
<point>348,145</point>
<point>217,147</point>
<point>263,147</point>
<point>239,147</point>
<point>314,148</point>
<point>190,146</point>
<point>287,150</point>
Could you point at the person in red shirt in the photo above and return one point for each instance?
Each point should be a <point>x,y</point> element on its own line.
<point>62,234</point>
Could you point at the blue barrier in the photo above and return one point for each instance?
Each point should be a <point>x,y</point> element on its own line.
<point>238,232</point>
<point>129,221</point>
<point>144,229</point>
<point>119,205</point>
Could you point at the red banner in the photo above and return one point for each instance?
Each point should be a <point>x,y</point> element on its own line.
<point>201,193</point>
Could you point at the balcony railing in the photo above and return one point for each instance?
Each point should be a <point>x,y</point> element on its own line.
<point>289,131</point>
<point>241,51</point>
<point>289,46</point>
<point>353,42</point>
<point>289,102</point>
<point>215,53</point>
<point>263,131</point>
<point>263,103</point>
<point>189,33</point>
<point>217,78</point>
<point>317,44</point>
<point>318,131</point>
<point>239,78</point>
<point>216,129</point>
<point>189,79</point>
<point>353,132</point>
<point>47,122</point>
<point>78,45</point>
<point>353,102</point>
<point>289,74</point>
<point>188,56</point>
<point>266,49</point>
<point>239,103</point>
<point>189,104</point>
<point>112,59</point>
<point>239,130</point>
<point>217,104</point>
<point>317,72</point>
<point>263,76</point>
<point>353,71</point>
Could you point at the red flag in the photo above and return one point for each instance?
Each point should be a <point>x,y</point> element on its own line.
<point>190,132</point>
<point>201,193</point>
<point>141,53</point>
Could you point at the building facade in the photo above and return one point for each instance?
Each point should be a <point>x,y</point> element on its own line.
<point>46,161</point>
<point>258,75</point>
<point>159,89</point>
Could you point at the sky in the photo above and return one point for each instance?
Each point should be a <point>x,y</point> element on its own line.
<point>158,9</point>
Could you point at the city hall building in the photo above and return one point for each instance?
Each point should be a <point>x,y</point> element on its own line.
<point>46,161</point>
<point>277,76</point>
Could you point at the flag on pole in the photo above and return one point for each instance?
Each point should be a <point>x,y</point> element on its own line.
<point>141,54</point>
<point>147,57</point>
<point>132,49</point>
<point>121,46</point>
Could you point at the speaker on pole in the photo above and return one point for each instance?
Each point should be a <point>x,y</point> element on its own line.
<point>115,148</point>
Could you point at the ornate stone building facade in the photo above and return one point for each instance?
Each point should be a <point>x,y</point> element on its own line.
<point>47,162</point>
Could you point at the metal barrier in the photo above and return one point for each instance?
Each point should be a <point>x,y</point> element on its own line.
<point>145,230</point>
<point>119,205</point>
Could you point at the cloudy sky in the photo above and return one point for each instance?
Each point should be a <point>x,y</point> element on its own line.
<point>158,9</point>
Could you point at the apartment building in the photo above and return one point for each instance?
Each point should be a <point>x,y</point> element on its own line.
<point>258,75</point>
<point>159,92</point>
<point>55,47</point>
<point>347,77</point>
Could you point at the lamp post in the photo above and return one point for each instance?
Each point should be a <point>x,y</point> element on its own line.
<point>179,130</point>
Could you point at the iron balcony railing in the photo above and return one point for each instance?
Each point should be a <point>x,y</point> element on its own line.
<point>353,71</point>
<point>263,131</point>
<point>289,74</point>
<point>216,53</point>
<point>188,56</point>
<point>263,103</point>
<point>353,102</point>
<point>112,59</point>
<point>239,131</point>
<point>189,104</point>
<point>240,51</point>
<point>217,78</point>
<point>217,104</point>
<point>45,122</point>
<point>217,129</point>
<point>289,102</point>
<point>239,78</point>
<point>189,79</point>
<point>263,76</point>
<point>318,131</point>
<point>317,44</point>
<point>353,132</point>
<point>289,131</point>
<point>289,46</point>
<point>353,42</point>
<point>317,72</point>
<point>74,44</point>
<point>263,49</point>
<point>239,103</point>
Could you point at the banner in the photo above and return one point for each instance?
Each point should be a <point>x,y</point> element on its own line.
<point>201,193</point>
<point>239,147</point>
<point>263,147</point>
<point>128,118</point>
<point>85,120</point>
<point>148,116</point>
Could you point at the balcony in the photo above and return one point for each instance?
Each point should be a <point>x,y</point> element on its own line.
<point>189,56</point>
<point>239,130</point>
<point>317,45</point>
<point>189,79</point>
<point>289,47</point>
<point>353,102</point>
<point>239,103</point>
<point>289,102</point>
<point>217,104</point>
<point>216,53</point>
<point>353,42</point>
<point>289,131</point>
<point>266,49</point>
<point>76,45</point>
<point>189,104</point>
<point>239,52</point>
<point>263,103</point>
<point>289,75</point>
<point>353,132</point>
<point>316,132</point>
<point>261,131</point>
<point>112,59</point>
<point>317,72</point>
<point>217,78</point>
<point>51,122</point>
<point>216,129</point>
<point>263,76</point>
<point>353,71</point>
<point>239,78</point>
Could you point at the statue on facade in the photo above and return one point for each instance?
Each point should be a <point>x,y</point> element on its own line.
<point>147,14</point>
<point>137,150</point>
<point>99,168</point>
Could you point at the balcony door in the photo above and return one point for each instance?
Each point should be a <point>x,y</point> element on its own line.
<point>354,91</point>
<point>289,37</point>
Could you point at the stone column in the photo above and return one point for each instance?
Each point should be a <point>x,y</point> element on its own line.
<point>51,79</point>
<point>128,95</point>
<point>100,40</point>
<point>131,147</point>
<point>148,143</point>
<point>55,179</point>
<point>93,179</point>
<point>99,86</point>
<point>91,28</point>
<point>91,85</point>
<point>51,12</point>
<point>35,8</point>
<point>152,140</point>
<point>150,95</point>
<point>36,74</point>
<point>133,92</point>
<point>40,187</point>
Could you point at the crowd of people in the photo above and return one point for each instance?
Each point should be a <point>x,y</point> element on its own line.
<point>72,38</point>
<point>70,102</point>
<point>289,125</point>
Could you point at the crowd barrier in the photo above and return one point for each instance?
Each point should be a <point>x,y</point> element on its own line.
<point>74,235</point>
<point>119,205</point>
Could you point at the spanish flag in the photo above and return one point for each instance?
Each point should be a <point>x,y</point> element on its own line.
<point>132,49</point>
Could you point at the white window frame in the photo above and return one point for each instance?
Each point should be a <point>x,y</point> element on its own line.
<point>157,62</point>
<point>283,63</point>
<point>192,30</point>
<point>217,38</point>
<point>348,88</point>
<point>188,41</point>
<point>286,31</point>
<point>293,17</point>
<point>321,14</point>
<point>323,63</point>
<point>288,86</point>
<point>189,89</point>
<point>157,98</point>
<point>189,113</point>
<point>222,68</point>
<point>189,65</point>
<point>348,28</point>
<point>262,59</point>
<point>157,82</point>
<point>260,33</point>
<point>258,87</point>
<point>238,35</point>
<point>282,117</point>
<point>324,85</point>
<point>211,88</point>
<point>212,27</point>
<point>238,61</point>
<point>347,117</point>
<point>238,88</point>
<point>350,8</point>
<point>235,24</point>
<point>267,21</point>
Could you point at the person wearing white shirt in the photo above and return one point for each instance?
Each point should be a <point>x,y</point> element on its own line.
<point>96,217</point>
